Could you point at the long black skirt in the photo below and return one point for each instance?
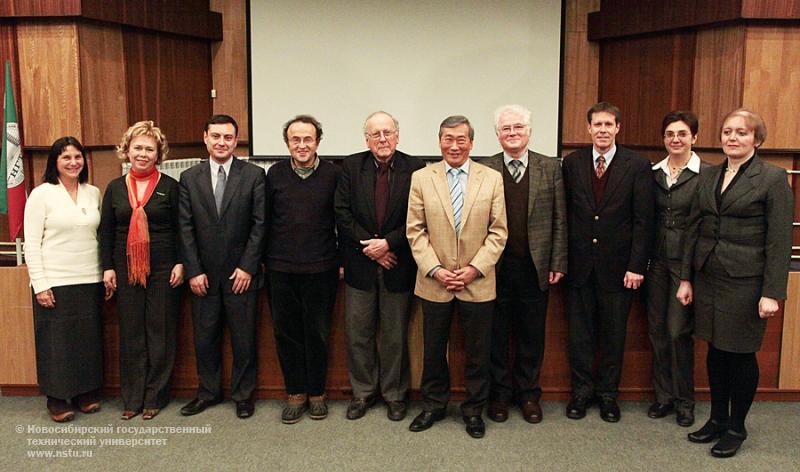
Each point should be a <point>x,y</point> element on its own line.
<point>69,341</point>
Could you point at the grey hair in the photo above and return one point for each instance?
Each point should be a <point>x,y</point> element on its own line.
<point>514,108</point>
<point>380,112</point>
<point>457,120</point>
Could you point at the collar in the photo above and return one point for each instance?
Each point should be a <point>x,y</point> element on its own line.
<point>377,163</point>
<point>215,166</point>
<point>693,164</point>
<point>305,170</point>
<point>464,166</point>
<point>507,159</point>
<point>608,156</point>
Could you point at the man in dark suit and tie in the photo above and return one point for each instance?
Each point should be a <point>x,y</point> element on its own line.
<point>371,204</point>
<point>535,257</point>
<point>610,207</point>
<point>456,227</point>
<point>222,229</point>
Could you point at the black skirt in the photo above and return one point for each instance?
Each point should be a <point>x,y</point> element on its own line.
<point>69,341</point>
<point>726,309</point>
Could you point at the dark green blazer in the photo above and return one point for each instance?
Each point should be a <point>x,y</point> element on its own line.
<point>547,213</point>
<point>751,232</point>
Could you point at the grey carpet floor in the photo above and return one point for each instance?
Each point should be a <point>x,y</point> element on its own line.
<point>221,441</point>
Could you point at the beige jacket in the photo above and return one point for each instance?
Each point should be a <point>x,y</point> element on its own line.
<point>431,231</point>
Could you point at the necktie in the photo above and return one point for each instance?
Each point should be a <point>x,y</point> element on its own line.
<point>219,189</point>
<point>456,197</point>
<point>381,193</point>
<point>516,171</point>
<point>601,167</point>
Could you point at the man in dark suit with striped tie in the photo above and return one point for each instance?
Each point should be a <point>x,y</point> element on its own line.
<point>610,207</point>
<point>535,257</point>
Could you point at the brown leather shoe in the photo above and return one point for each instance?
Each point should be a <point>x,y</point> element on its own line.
<point>498,411</point>
<point>531,411</point>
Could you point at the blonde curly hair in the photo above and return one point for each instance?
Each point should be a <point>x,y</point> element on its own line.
<point>144,128</point>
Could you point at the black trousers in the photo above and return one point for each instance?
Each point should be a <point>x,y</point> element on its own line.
<point>302,306</point>
<point>147,324</point>
<point>597,318</point>
<point>208,314</point>
<point>520,315</point>
<point>477,321</point>
<point>670,327</point>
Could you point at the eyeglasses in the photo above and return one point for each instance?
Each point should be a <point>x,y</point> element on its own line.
<point>516,128</point>
<point>386,133</point>
<point>679,134</point>
<point>308,140</point>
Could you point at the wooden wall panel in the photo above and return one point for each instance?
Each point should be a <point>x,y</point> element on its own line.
<point>718,78</point>
<point>103,99</point>
<point>772,82</point>
<point>783,9</point>
<point>646,78</point>
<point>581,66</point>
<point>49,75</point>
<point>17,346</point>
<point>229,64</point>
<point>40,7</point>
<point>168,81</point>
<point>790,346</point>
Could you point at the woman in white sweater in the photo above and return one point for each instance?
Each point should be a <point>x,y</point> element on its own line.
<point>62,253</point>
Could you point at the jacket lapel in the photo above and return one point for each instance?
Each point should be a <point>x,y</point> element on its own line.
<point>709,193</point>
<point>474,181</point>
<point>534,179</point>
<point>621,164</point>
<point>584,178</point>
<point>206,191</point>
<point>743,186</point>
<point>440,184</point>
<point>368,183</point>
<point>400,179</point>
<point>231,185</point>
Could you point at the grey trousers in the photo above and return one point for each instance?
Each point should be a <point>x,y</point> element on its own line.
<point>670,326</point>
<point>376,323</point>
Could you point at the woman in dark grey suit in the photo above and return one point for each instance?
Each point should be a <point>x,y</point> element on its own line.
<point>738,248</point>
<point>670,323</point>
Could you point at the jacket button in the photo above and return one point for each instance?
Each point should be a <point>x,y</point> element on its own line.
<point>594,241</point>
<point>596,217</point>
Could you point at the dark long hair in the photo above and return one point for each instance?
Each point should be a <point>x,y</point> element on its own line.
<point>51,171</point>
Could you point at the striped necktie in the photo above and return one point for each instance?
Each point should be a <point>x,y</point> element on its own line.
<point>219,189</point>
<point>516,172</point>
<point>456,197</point>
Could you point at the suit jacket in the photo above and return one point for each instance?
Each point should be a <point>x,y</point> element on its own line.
<point>355,220</point>
<point>615,235</point>
<point>217,244</point>
<point>672,212</point>
<point>432,234</point>
<point>547,213</point>
<point>751,232</point>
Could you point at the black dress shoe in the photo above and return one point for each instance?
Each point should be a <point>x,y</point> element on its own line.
<point>426,419</point>
<point>475,426</point>
<point>498,411</point>
<point>198,405</point>
<point>659,410</point>
<point>396,410</point>
<point>576,408</point>
<point>245,409</point>
<point>358,407</point>
<point>684,418</point>
<point>728,444</point>
<point>609,410</point>
<point>709,432</point>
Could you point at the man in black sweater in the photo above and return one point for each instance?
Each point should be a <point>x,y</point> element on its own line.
<point>303,266</point>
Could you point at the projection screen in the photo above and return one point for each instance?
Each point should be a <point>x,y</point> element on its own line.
<point>418,60</point>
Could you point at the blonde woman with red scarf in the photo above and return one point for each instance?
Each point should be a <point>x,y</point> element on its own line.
<point>139,256</point>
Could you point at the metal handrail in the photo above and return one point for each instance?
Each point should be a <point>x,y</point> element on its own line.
<point>17,251</point>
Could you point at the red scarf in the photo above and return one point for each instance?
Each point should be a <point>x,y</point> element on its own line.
<point>138,248</point>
